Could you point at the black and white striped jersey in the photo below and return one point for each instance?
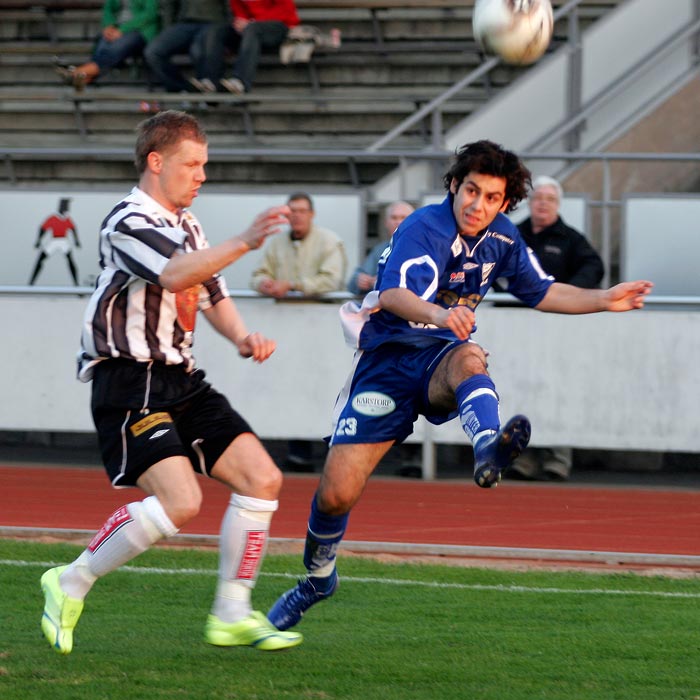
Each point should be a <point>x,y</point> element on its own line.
<point>129,314</point>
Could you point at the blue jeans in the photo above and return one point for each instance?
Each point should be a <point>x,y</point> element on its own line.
<point>108,54</point>
<point>257,37</point>
<point>183,37</point>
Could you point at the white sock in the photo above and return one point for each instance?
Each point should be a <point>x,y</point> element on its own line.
<point>243,541</point>
<point>130,530</point>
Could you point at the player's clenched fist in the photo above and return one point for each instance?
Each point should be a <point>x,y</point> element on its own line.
<point>256,346</point>
<point>460,320</point>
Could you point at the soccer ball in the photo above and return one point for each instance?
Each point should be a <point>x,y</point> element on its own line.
<point>519,31</point>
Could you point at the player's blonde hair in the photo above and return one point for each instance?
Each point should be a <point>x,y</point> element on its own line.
<point>162,132</point>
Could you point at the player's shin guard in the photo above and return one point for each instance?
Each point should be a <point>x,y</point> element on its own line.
<point>478,407</point>
<point>244,532</point>
<point>323,536</point>
<point>130,530</point>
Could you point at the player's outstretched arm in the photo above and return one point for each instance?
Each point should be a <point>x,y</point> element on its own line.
<point>567,299</point>
<point>183,271</point>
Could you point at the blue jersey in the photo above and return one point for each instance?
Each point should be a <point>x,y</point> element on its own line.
<point>429,257</point>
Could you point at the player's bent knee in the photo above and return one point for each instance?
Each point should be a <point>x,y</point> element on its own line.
<point>262,482</point>
<point>336,502</point>
<point>184,509</point>
<point>469,359</point>
<point>271,482</point>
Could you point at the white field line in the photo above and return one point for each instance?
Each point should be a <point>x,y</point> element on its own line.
<point>388,581</point>
<point>412,548</point>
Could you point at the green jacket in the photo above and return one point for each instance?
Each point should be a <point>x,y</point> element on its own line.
<point>145,16</point>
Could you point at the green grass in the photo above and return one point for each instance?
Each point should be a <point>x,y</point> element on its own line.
<point>393,631</point>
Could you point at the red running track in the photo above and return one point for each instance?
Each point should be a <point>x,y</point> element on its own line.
<point>515,515</point>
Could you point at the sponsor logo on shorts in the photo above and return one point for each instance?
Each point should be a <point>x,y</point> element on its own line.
<point>372,403</point>
<point>159,433</point>
<point>150,421</point>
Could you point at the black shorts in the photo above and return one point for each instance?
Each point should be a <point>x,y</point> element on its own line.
<point>146,412</point>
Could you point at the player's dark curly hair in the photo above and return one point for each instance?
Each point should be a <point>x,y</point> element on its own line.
<point>163,131</point>
<point>488,158</point>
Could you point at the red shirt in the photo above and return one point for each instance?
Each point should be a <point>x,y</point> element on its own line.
<point>266,10</point>
<point>59,225</point>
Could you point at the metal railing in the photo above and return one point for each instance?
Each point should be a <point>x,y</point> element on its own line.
<point>433,108</point>
<point>577,111</point>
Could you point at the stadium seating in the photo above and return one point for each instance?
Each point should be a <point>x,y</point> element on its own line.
<point>396,55</point>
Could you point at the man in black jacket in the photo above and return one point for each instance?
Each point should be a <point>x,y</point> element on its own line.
<point>568,256</point>
<point>563,251</point>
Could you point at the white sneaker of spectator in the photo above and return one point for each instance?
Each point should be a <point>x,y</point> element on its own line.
<point>204,85</point>
<point>233,85</point>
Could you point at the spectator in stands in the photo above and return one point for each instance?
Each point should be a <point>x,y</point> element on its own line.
<point>187,24</point>
<point>311,260</point>
<point>363,278</point>
<point>127,27</point>
<point>567,256</point>
<point>258,26</point>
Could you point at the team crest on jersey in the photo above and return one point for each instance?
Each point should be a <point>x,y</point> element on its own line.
<point>186,301</point>
<point>486,270</point>
<point>457,278</point>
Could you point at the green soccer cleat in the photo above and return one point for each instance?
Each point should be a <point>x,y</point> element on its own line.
<point>252,631</point>
<point>61,612</point>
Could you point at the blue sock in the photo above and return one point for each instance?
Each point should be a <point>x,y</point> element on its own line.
<point>323,536</point>
<point>478,407</point>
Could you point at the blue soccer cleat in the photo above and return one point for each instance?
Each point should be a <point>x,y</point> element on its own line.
<point>497,453</point>
<point>291,606</point>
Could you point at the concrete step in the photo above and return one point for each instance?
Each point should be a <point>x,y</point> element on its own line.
<point>392,61</point>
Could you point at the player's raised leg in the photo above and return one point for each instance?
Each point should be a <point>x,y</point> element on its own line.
<point>495,447</point>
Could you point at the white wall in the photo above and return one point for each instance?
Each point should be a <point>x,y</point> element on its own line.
<point>222,214</point>
<point>661,242</point>
<point>607,381</point>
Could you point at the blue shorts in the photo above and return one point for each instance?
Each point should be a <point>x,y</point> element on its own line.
<point>386,392</point>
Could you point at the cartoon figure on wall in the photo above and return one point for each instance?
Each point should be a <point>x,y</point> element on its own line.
<point>57,234</point>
